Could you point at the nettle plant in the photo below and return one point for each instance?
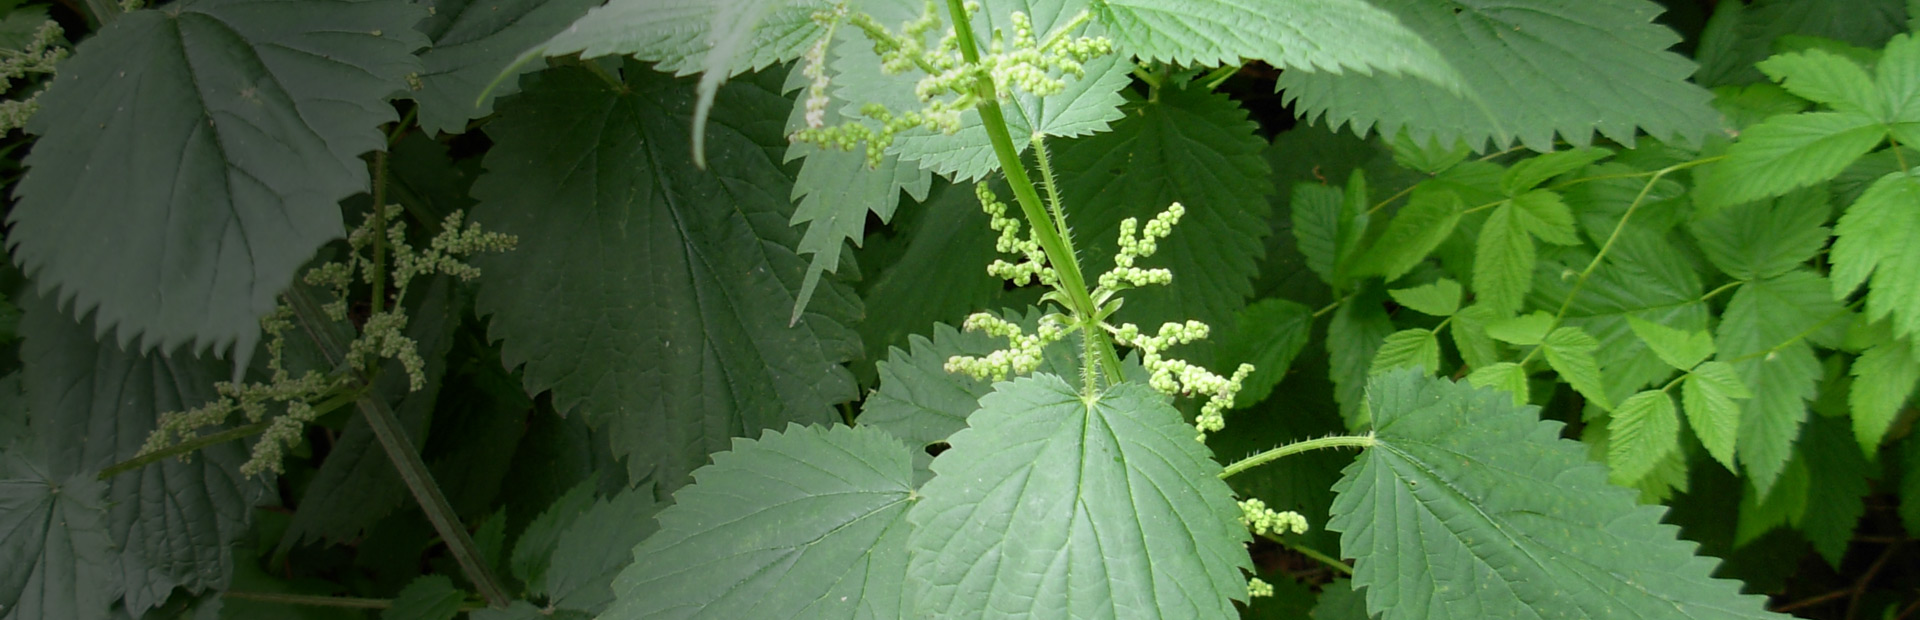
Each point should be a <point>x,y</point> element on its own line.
<point>600,321</point>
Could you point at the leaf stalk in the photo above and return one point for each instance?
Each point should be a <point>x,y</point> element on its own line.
<point>1336,441</point>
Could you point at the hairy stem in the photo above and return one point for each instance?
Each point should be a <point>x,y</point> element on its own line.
<point>1317,555</point>
<point>413,470</point>
<point>183,447</point>
<point>1059,249</point>
<point>1336,441</point>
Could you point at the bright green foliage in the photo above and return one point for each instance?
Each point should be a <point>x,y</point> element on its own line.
<point>1765,238</point>
<point>1820,76</point>
<point>1060,507</point>
<point>1441,298</point>
<point>1759,336</point>
<point>1876,244</point>
<point>1883,379</point>
<point>1785,153</point>
<point>1328,223</point>
<point>1268,334</point>
<point>181,223</point>
<point>1506,376</point>
<point>1566,67</point>
<point>1427,220</point>
<point>1334,36</point>
<point>1642,276</point>
<point>1192,147</point>
<point>1526,330</point>
<point>1643,432</point>
<point>1709,394</point>
<point>1681,349</point>
<point>1531,172</point>
<point>1504,261</point>
<point>1470,337</point>
<point>54,532</point>
<point>678,34</point>
<point>809,522</point>
<point>1570,352</point>
<point>645,209</point>
<point>1407,348</point>
<point>429,597</point>
<point>473,42</point>
<point>1526,526</point>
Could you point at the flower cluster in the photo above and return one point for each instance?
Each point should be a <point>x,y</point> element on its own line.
<point>1258,517</point>
<point>382,336</point>
<point>1023,354</point>
<point>39,57</point>
<point>1179,378</point>
<point>1124,275</point>
<point>1256,588</point>
<point>1034,258</point>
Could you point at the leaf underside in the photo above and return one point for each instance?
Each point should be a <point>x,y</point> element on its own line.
<point>473,42</point>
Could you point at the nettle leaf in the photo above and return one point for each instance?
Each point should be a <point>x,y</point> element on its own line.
<point>678,34</point>
<point>1570,352</point>
<point>1571,67</point>
<point>1087,106</point>
<point>1268,334</point>
<point>1408,348</point>
<point>1760,335</point>
<point>1055,506</point>
<point>1503,261</point>
<point>474,42</point>
<point>833,194</point>
<point>1471,507</point>
<point>427,597</point>
<point>53,533</point>
<point>1785,153</point>
<point>1883,380</point>
<point>806,523</point>
<point>1765,238</point>
<point>1414,232</point>
<point>665,267</point>
<point>175,196</point>
<point>1678,348</point>
<point>1708,395</point>
<point>1193,147</point>
<point>1874,243</point>
<point>1642,432</point>
<point>595,547</point>
<point>1440,298</point>
<point>1333,36</point>
<point>93,404</point>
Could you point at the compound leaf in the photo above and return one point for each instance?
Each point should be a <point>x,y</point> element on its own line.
<point>1056,506</point>
<point>1471,507</point>
<point>1333,36</point>
<point>1408,348</point>
<point>1678,348</point>
<point>1825,77</point>
<point>1883,379</point>
<point>1440,298</point>
<point>1708,395</point>
<point>1570,352</point>
<point>473,42</point>
<point>806,523</point>
<point>1643,431</point>
<point>1503,261</point>
<point>1414,232</point>
<point>1875,244</point>
<point>1531,70</point>
<point>1525,330</point>
<point>1785,153</point>
<point>1760,334</point>
<point>174,197</point>
<point>1327,224</point>
<point>1268,334</point>
<point>1544,214</point>
<point>665,267</point>
<point>1354,335</point>
<point>1766,238</point>
<point>1529,173</point>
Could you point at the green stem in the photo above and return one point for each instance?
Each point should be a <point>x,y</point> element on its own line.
<point>1059,250</point>
<point>601,72</point>
<point>379,272</point>
<point>1723,288</point>
<point>183,447</point>
<point>400,128</point>
<point>413,471</point>
<point>1331,562</point>
<point>347,602</point>
<point>1336,441</point>
<point>1219,76</point>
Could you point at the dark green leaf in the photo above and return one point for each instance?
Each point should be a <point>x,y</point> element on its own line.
<point>1353,336</point>
<point>1414,232</point>
<point>1470,507</point>
<point>1268,334</point>
<point>807,523</point>
<point>1836,503</point>
<point>473,42</point>
<point>1765,238</point>
<point>1529,173</point>
<point>430,597</point>
<point>1570,352</point>
<point>53,533</point>
<point>595,548</point>
<point>179,224</point>
<point>936,273</point>
<point>678,34</point>
<point>1440,298</point>
<point>667,269</point>
<point>1052,505</point>
<point>1643,276</point>
<point>1883,379</point>
<point>1333,36</point>
<point>533,552</point>
<point>1738,36</point>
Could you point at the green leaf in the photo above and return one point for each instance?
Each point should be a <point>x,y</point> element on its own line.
<point>1759,334</point>
<point>809,522</point>
<point>474,42</point>
<point>1414,232</point>
<point>935,270</point>
<point>1503,261</point>
<point>833,194</point>
<point>1883,380</point>
<point>94,404</point>
<point>1875,245</point>
<point>1746,105</point>
<point>1333,36</point>
<point>1785,153</point>
<point>1643,431</point>
<point>1542,213</point>
<point>1505,376</point>
<point>1571,67</point>
<point>1193,147</point>
<point>1471,507</point>
<point>1440,298</point>
<point>1428,156</point>
<point>1898,88</point>
<point>1643,276</point>
<point>1470,336</point>
<point>1529,173</point>
<point>1678,348</point>
<point>1708,395</point>
<point>1268,334</point>
<point>428,597</point>
<point>1524,330</point>
<point>1409,348</point>
<point>677,34</point>
<point>1825,77</point>
<point>53,532</point>
<point>1837,501</point>
<point>1353,336</point>
<point>533,551</point>
<point>661,263</point>
<point>1765,238</point>
<point>1740,36</point>
<point>181,223</point>
<point>596,547</point>
<point>1108,498</point>
<point>1570,352</point>
<point>1328,225</point>
<point>1087,106</point>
